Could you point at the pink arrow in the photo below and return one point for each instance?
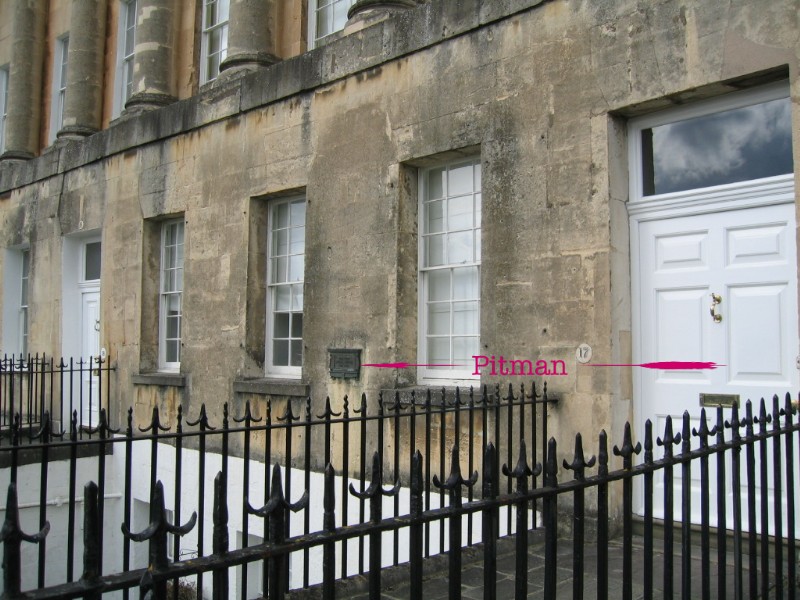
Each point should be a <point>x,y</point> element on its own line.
<point>402,365</point>
<point>667,365</point>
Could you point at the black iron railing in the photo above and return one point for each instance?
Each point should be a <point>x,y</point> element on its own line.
<point>128,464</point>
<point>35,384</point>
<point>762,549</point>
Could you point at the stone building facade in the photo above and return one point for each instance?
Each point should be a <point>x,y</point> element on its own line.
<point>218,193</point>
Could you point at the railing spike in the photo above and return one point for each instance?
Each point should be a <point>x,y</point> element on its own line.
<point>12,536</point>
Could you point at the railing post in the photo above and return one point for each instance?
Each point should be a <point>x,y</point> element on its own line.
<point>734,424</point>
<point>778,497</point>
<point>276,509</point>
<point>12,536</point>
<point>489,525</point>
<point>648,511</point>
<point>202,422</point>
<point>156,534</point>
<point>416,528</point>
<point>374,493</point>
<point>329,526</point>
<point>703,434</point>
<point>602,517</point>
<point>453,486</point>
<point>579,464</point>
<point>220,540</point>
<point>521,473</point>
<point>763,419</point>
<point>686,509</point>
<point>91,538</point>
<point>790,499</point>
<point>248,421</point>
<point>668,441</point>
<point>550,508</point>
<point>626,452</point>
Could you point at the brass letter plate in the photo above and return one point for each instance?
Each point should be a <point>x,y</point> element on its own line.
<point>723,400</point>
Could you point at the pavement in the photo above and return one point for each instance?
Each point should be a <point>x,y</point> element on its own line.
<point>436,585</point>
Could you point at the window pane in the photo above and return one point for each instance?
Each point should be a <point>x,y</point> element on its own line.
<point>297,325</point>
<point>435,184</point>
<point>298,214</point>
<point>211,13</point>
<point>726,147</point>
<point>464,348</point>
<point>465,318</point>
<point>173,327</point>
<point>459,180</point>
<point>466,282</point>
<point>280,242</point>
<point>92,261</point>
<point>297,296</point>
<point>324,22</point>
<point>434,250</point>
<point>459,213</point>
<point>223,11</point>
<point>280,353</point>
<point>173,351</point>
<point>296,265</point>
<point>459,247</point>
<point>280,216</point>
<point>435,216</point>
<point>279,270</point>
<point>283,300</point>
<point>340,14</point>
<point>439,318</point>
<point>297,353</point>
<point>439,350</point>
<point>173,304</point>
<point>298,242</point>
<point>439,285</point>
<point>281,329</point>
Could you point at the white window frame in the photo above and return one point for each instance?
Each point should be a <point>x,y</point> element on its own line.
<point>220,24</point>
<point>123,76</point>
<point>273,259</point>
<point>463,374</point>
<point>164,295</point>
<point>4,75</point>
<point>314,7</point>
<point>60,66</point>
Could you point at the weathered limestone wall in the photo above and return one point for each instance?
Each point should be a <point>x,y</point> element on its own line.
<point>541,95</point>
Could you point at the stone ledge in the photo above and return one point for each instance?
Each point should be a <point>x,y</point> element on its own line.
<point>166,379</point>
<point>271,387</point>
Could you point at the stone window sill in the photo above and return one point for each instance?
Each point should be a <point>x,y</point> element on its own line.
<point>166,379</point>
<point>272,387</point>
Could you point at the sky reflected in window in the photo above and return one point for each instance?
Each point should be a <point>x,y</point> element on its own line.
<point>727,147</point>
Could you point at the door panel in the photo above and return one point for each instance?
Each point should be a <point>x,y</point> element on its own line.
<point>747,257</point>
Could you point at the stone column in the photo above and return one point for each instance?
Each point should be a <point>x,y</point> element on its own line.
<point>250,37</point>
<point>376,9</point>
<point>154,55</point>
<point>25,80</point>
<point>83,98</point>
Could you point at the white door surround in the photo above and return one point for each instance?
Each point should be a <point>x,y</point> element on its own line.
<point>737,242</point>
<point>81,322</point>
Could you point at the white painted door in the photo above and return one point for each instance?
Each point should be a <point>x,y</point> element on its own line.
<point>90,351</point>
<point>747,258</point>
